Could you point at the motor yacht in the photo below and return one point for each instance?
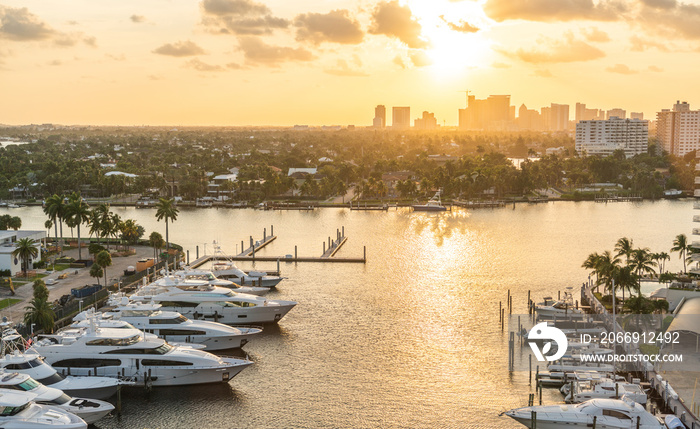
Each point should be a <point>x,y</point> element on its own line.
<point>200,301</point>
<point>15,358</point>
<point>607,413</point>
<point>19,411</point>
<point>229,270</point>
<point>128,353</point>
<point>563,308</point>
<point>433,205</point>
<point>90,410</point>
<point>176,328</point>
<point>608,389</point>
<point>209,278</point>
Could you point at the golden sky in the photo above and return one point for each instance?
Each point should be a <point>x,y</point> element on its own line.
<point>282,62</point>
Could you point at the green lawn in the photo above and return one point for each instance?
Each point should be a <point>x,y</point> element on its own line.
<point>8,302</point>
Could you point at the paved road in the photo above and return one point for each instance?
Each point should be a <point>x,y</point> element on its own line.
<point>81,276</point>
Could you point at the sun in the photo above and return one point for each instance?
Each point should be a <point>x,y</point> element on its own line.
<point>452,51</point>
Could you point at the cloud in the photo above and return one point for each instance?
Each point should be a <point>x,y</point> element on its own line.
<point>234,66</point>
<point>542,73</point>
<point>21,25</point>
<point>342,68</point>
<point>335,26</point>
<point>498,65</point>
<point>180,49</point>
<point>234,7</point>
<point>393,20</point>
<point>240,17</point>
<point>671,19</point>
<point>54,63</point>
<point>155,77</point>
<point>399,61</point>
<point>420,58</point>
<point>120,57</point>
<point>137,19</point>
<point>565,50</point>
<point>256,51</point>
<point>90,41</point>
<point>641,45</point>
<point>655,69</point>
<point>461,26</point>
<point>554,10</point>
<point>660,4</point>
<point>198,65</point>
<point>593,34</point>
<point>621,69</point>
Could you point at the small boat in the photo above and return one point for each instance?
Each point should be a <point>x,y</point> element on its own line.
<point>560,309</point>
<point>606,388</point>
<point>209,278</point>
<point>608,413</point>
<point>18,411</point>
<point>673,193</point>
<point>433,205</point>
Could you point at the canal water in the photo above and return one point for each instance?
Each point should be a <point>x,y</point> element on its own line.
<point>410,339</point>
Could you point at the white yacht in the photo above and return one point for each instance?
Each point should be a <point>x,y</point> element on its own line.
<point>19,411</point>
<point>197,300</point>
<point>127,353</point>
<point>607,389</point>
<point>174,327</point>
<point>433,205</point>
<point>209,278</point>
<point>31,363</point>
<point>560,309</point>
<point>229,270</point>
<point>608,413</point>
<point>90,410</point>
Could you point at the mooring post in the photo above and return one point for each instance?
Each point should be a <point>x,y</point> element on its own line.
<point>188,257</point>
<point>264,234</point>
<point>272,230</point>
<point>503,318</point>
<point>364,253</point>
<point>252,243</point>
<point>529,383</point>
<point>253,251</point>
<point>242,246</point>
<point>324,248</point>
<point>295,252</point>
<point>343,231</point>
<point>119,399</point>
<point>594,421</point>
<point>278,266</point>
<point>197,251</point>
<point>534,418</point>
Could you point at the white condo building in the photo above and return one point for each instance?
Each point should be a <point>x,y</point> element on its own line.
<point>678,130</point>
<point>598,137</point>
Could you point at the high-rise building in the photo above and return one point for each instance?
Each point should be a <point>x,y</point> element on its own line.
<point>678,130</point>
<point>427,122</point>
<point>603,137</point>
<point>617,112</point>
<point>636,115</point>
<point>529,119</point>
<point>401,118</point>
<point>559,117</point>
<point>379,116</point>
<point>584,114</point>
<point>492,113</point>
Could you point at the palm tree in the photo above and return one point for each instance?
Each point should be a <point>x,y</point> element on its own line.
<point>168,211</point>
<point>103,260</point>
<point>156,241</point>
<point>25,250</point>
<point>78,212</point>
<point>642,262</point>
<point>623,247</point>
<point>55,210</point>
<point>591,263</point>
<point>680,244</point>
<point>605,269</point>
<point>625,279</point>
<point>663,257</point>
<point>40,313</point>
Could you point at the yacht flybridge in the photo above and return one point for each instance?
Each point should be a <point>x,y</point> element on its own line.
<point>174,327</point>
<point>127,353</point>
<point>209,278</point>
<point>198,300</point>
<point>226,268</point>
<point>433,205</point>
<point>19,411</point>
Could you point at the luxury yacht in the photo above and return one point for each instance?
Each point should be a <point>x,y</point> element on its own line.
<point>15,358</point>
<point>209,278</point>
<point>560,309</point>
<point>174,327</point>
<point>608,413</point>
<point>607,389</point>
<point>229,270</point>
<point>90,410</point>
<point>128,353</point>
<point>201,301</point>
<point>19,411</point>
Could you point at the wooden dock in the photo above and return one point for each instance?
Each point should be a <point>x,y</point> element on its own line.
<point>334,246</point>
<point>365,207</point>
<point>257,245</point>
<point>617,198</point>
<point>480,204</point>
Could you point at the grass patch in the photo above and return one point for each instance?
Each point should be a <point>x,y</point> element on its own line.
<point>8,302</point>
<point>649,349</point>
<point>61,267</point>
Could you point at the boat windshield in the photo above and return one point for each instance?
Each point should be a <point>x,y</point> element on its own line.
<point>11,411</point>
<point>115,341</point>
<point>136,313</point>
<point>29,384</point>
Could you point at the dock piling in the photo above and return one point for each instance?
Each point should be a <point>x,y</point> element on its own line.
<point>295,252</point>
<point>197,250</point>
<point>188,257</point>
<point>264,233</point>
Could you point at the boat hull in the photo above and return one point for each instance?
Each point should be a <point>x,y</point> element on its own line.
<point>421,208</point>
<point>235,316</point>
<point>215,342</point>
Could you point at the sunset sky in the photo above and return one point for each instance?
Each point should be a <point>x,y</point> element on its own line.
<point>282,62</point>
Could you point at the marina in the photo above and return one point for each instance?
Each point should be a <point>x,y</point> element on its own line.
<point>327,363</point>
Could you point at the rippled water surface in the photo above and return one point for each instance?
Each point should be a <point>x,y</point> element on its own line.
<point>411,339</point>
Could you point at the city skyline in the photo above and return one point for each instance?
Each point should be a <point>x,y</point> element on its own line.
<point>270,62</point>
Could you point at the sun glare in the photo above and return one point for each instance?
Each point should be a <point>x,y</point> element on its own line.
<point>452,51</point>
